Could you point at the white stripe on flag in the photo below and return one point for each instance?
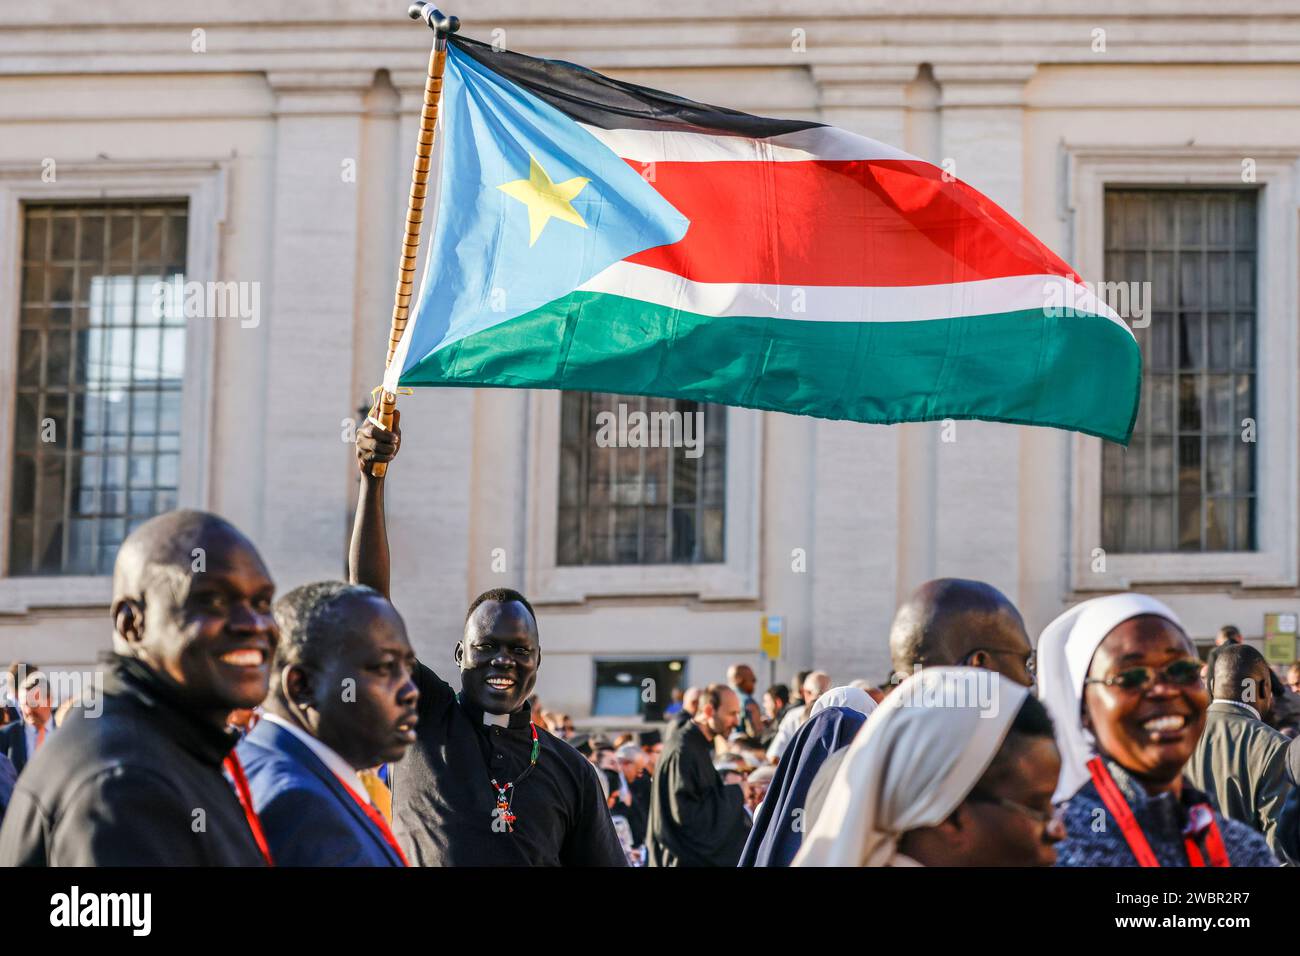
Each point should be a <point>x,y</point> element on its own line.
<point>817,142</point>
<point>848,303</point>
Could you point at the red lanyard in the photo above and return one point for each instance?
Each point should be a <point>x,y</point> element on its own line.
<point>1202,818</point>
<point>378,820</point>
<point>245,796</point>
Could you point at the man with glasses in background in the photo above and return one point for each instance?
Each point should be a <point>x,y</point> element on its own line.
<point>948,622</point>
<point>953,621</point>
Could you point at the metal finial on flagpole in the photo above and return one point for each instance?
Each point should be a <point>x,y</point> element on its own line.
<point>443,26</point>
<point>438,21</point>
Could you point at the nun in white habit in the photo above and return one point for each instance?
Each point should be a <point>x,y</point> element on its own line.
<point>1150,820</point>
<point>1065,651</point>
<point>911,765</point>
<point>854,698</point>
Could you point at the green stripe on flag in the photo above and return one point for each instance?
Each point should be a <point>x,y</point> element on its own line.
<point>1078,372</point>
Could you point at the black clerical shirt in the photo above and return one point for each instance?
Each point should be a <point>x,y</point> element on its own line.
<point>444,801</point>
<point>695,819</point>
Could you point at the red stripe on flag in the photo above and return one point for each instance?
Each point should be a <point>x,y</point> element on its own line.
<point>838,223</point>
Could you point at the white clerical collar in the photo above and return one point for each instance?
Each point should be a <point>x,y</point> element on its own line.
<point>337,765</point>
<point>495,720</point>
<point>1237,703</point>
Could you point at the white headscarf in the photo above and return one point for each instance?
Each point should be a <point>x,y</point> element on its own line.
<point>854,698</point>
<point>1065,652</point>
<point>912,764</point>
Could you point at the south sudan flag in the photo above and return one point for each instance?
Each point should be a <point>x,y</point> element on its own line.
<point>601,236</point>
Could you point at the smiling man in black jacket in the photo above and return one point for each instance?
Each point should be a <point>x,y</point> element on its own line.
<point>140,783</point>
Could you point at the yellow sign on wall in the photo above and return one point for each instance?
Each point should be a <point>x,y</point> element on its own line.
<point>1280,638</point>
<point>773,628</point>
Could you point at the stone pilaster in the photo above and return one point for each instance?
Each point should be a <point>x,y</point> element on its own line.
<point>309,322</point>
<point>982,134</point>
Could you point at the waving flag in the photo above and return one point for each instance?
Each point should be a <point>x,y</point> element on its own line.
<point>600,236</point>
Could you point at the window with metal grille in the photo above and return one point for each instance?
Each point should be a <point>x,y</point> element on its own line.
<point>1187,481</point>
<point>101,354</point>
<point>640,505</point>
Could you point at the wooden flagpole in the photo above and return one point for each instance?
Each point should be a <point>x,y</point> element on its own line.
<point>443,26</point>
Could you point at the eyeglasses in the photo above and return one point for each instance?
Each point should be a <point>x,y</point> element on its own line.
<point>1041,817</point>
<point>1182,673</point>
<point>1030,661</point>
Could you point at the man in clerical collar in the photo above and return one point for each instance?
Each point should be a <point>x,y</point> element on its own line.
<point>342,701</point>
<point>696,817</point>
<point>138,779</point>
<point>482,785</point>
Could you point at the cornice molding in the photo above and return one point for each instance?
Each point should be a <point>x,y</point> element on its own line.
<point>353,13</point>
<point>142,39</point>
<point>316,92</point>
<point>983,84</point>
<point>863,85</point>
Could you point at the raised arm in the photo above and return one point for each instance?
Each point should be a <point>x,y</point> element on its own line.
<point>368,555</point>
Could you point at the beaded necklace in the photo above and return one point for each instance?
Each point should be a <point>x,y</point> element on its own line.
<point>502,814</point>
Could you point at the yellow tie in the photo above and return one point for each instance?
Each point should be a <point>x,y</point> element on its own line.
<point>40,736</point>
<point>380,795</point>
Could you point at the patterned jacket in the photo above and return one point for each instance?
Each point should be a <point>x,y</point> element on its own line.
<point>1095,839</point>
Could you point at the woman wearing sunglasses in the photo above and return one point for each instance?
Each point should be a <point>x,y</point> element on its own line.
<point>1122,682</point>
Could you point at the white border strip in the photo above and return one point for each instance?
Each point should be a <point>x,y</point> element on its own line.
<point>816,142</point>
<point>849,303</point>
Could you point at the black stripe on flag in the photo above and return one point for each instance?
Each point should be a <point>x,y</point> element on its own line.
<point>599,101</point>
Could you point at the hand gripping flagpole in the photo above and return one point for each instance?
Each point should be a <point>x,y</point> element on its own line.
<point>442,26</point>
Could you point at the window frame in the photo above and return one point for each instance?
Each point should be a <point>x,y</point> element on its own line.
<point>1273,563</point>
<point>735,578</point>
<point>202,185</point>
<point>1171,498</point>
<point>665,507</point>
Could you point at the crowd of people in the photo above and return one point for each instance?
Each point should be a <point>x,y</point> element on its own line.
<point>234,729</point>
<point>1106,742</point>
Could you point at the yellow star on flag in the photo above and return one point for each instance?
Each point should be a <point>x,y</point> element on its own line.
<point>545,199</point>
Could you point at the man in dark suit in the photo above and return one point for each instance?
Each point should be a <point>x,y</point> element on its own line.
<point>20,739</point>
<point>1240,760</point>
<point>342,700</point>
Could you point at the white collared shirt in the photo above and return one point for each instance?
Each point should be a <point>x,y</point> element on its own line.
<point>328,757</point>
<point>1236,703</point>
